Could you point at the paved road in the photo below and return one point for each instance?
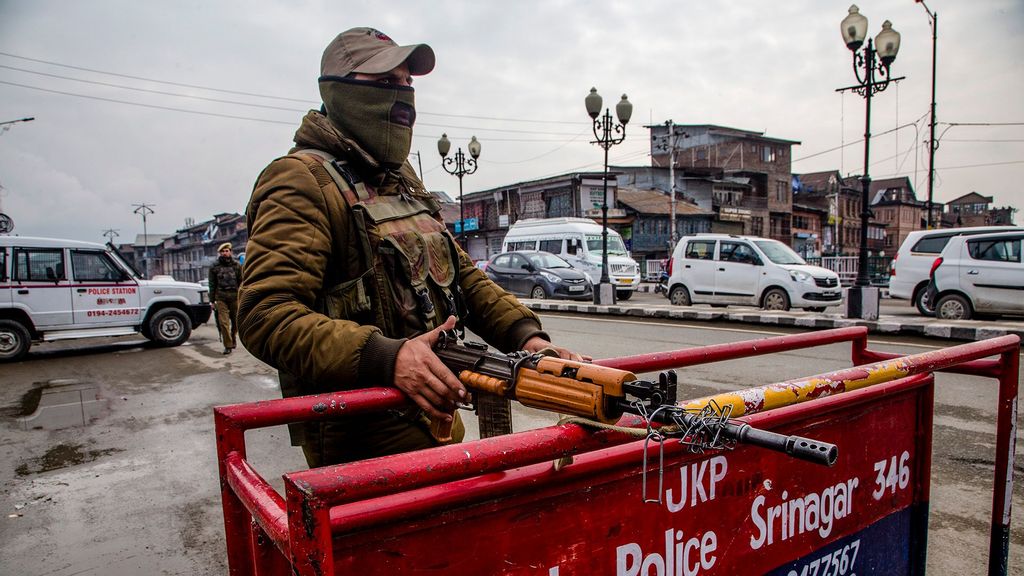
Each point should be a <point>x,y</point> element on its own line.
<point>136,491</point>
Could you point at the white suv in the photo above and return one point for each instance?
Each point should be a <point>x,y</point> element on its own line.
<point>723,269</point>
<point>979,274</point>
<point>908,275</point>
<point>53,289</point>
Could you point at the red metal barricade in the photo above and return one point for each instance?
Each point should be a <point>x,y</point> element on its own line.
<point>498,506</point>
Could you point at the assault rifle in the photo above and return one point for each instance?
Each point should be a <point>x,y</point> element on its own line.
<point>604,394</point>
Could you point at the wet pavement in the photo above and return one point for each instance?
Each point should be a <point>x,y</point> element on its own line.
<point>134,492</point>
<point>895,318</point>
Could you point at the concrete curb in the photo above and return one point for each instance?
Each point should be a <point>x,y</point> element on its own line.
<point>966,330</point>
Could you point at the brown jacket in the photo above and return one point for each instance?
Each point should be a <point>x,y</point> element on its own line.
<point>302,240</point>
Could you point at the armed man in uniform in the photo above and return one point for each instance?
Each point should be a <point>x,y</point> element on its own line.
<point>224,279</point>
<point>350,273</point>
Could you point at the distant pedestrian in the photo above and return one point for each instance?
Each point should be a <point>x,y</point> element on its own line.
<point>224,278</point>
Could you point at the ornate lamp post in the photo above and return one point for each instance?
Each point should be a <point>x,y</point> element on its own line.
<point>605,137</point>
<point>459,165</point>
<point>871,66</point>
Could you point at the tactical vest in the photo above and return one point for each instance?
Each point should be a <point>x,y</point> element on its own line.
<point>227,277</point>
<point>410,262</point>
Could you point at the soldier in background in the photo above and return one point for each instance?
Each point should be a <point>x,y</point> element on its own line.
<point>224,278</point>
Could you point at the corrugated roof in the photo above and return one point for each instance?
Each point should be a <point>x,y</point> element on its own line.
<point>657,202</point>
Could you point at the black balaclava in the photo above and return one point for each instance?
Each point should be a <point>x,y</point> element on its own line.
<point>377,116</point>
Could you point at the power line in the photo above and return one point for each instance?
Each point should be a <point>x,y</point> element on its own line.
<point>169,108</point>
<point>236,92</point>
<point>150,91</point>
<point>93,70</point>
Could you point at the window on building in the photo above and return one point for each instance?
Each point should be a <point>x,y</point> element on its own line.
<point>781,190</point>
<point>757,226</point>
<point>767,154</point>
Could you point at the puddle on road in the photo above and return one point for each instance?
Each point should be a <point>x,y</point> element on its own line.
<point>62,456</point>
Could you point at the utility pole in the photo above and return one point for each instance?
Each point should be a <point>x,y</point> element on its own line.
<point>932,144</point>
<point>672,176</point>
<point>144,209</point>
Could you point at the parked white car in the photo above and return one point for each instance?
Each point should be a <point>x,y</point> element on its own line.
<point>723,269</point>
<point>908,274</point>
<point>578,241</point>
<point>53,289</point>
<point>979,274</point>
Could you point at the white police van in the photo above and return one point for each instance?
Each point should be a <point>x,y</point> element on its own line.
<point>52,289</point>
<point>579,241</point>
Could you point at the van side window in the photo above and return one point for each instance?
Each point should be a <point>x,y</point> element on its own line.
<point>38,264</point>
<point>701,250</point>
<point>994,250</point>
<point>3,264</point>
<point>522,245</point>
<point>553,246</point>
<point>93,266</point>
<point>571,246</point>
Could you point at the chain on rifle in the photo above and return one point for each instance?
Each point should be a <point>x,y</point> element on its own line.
<point>702,430</point>
<point>698,430</point>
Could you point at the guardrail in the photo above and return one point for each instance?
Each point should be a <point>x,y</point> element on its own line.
<point>397,499</point>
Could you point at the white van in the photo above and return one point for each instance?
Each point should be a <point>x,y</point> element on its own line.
<point>723,269</point>
<point>579,241</point>
<point>52,289</point>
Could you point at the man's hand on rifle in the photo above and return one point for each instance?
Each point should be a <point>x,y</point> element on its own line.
<point>538,344</point>
<point>424,378</point>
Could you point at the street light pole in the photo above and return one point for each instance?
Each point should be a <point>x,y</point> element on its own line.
<point>458,165</point>
<point>604,137</point>
<point>871,67</point>
<point>6,125</point>
<point>144,209</point>
<point>932,144</point>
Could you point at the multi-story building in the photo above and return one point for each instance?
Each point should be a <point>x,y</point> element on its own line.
<point>753,172</point>
<point>896,206</point>
<point>976,210</point>
<point>489,213</point>
<point>192,250</point>
<point>648,237</point>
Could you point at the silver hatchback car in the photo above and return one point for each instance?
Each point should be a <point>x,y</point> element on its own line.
<point>980,274</point>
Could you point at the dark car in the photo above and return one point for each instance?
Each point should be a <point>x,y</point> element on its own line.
<point>538,275</point>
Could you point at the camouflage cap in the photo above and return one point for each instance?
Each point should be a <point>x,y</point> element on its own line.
<point>370,51</point>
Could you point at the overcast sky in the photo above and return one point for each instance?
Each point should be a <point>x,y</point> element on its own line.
<point>180,104</point>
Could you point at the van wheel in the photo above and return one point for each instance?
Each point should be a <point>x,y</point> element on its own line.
<point>923,302</point>
<point>169,327</point>
<point>775,299</point>
<point>14,340</point>
<point>623,294</point>
<point>953,307</point>
<point>538,293</point>
<point>679,296</point>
